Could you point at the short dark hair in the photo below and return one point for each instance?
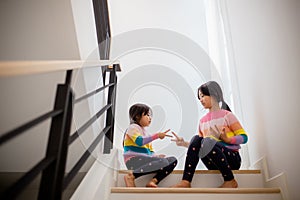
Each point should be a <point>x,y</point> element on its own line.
<point>137,110</point>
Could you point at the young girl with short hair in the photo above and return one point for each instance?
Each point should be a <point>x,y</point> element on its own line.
<point>139,155</point>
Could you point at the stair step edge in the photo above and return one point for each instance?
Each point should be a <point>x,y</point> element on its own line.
<point>195,190</point>
<point>242,171</point>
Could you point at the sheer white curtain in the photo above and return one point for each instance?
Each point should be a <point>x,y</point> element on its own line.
<point>222,57</point>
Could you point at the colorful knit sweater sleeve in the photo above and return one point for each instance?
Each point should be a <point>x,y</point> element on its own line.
<point>237,134</point>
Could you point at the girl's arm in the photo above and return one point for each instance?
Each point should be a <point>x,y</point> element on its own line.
<point>240,135</point>
<point>141,140</point>
<point>237,139</point>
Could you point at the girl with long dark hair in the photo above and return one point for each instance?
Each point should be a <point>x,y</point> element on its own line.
<point>218,141</point>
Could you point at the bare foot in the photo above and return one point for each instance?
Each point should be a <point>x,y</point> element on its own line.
<point>152,183</point>
<point>182,184</point>
<point>229,184</point>
<point>129,180</point>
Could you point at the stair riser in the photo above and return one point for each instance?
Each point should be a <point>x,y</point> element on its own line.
<point>181,196</point>
<point>200,180</point>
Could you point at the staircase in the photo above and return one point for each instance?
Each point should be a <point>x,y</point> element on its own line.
<point>205,185</point>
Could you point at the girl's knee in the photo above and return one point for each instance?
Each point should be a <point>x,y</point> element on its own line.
<point>163,162</point>
<point>196,139</point>
<point>173,160</point>
<point>196,142</point>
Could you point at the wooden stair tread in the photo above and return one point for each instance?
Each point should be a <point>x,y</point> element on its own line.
<point>195,190</point>
<point>241,171</point>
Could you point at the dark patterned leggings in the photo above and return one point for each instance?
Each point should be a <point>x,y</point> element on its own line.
<point>218,157</point>
<point>142,165</point>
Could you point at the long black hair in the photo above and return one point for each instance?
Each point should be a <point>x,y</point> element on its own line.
<point>212,88</point>
<point>136,111</point>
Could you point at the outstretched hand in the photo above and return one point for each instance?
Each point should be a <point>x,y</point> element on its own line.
<point>164,134</point>
<point>179,140</point>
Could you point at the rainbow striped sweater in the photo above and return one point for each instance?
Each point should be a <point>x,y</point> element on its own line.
<point>137,142</point>
<point>219,119</point>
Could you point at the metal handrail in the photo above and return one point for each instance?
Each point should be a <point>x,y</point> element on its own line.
<point>21,129</point>
<point>52,166</point>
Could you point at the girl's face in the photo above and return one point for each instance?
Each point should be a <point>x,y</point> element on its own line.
<point>145,120</point>
<point>206,101</point>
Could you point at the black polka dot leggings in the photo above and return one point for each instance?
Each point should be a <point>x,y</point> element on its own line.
<point>142,165</point>
<point>218,157</point>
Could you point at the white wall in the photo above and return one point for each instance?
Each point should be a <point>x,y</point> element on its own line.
<point>44,30</point>
<point>172,15</point>
<point>266,43</point>
<point>265,39</point>
<point>32,30</point>
<point>158,71</point>
<point>91,79</point>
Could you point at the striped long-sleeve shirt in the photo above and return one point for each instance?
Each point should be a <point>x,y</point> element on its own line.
<point>223,118</point>
<point>137,142</point>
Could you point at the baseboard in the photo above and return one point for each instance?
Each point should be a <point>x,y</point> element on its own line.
<point>279,180</point>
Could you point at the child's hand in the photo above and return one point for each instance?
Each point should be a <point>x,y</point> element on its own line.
<point>214,132</point>
<point>162,135</point>
<point>223,136</point>
<point>179,140</point>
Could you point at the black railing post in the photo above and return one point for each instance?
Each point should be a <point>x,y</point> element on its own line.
<point>114,97</point>
<point>110,115</point>
<point>52,177</point>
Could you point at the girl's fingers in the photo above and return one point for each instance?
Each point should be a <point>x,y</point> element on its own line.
<point>167,130</point>
<point>212,130</point>
<point>217,129</point>
<point>168,135</point>
<point>177,137</point>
